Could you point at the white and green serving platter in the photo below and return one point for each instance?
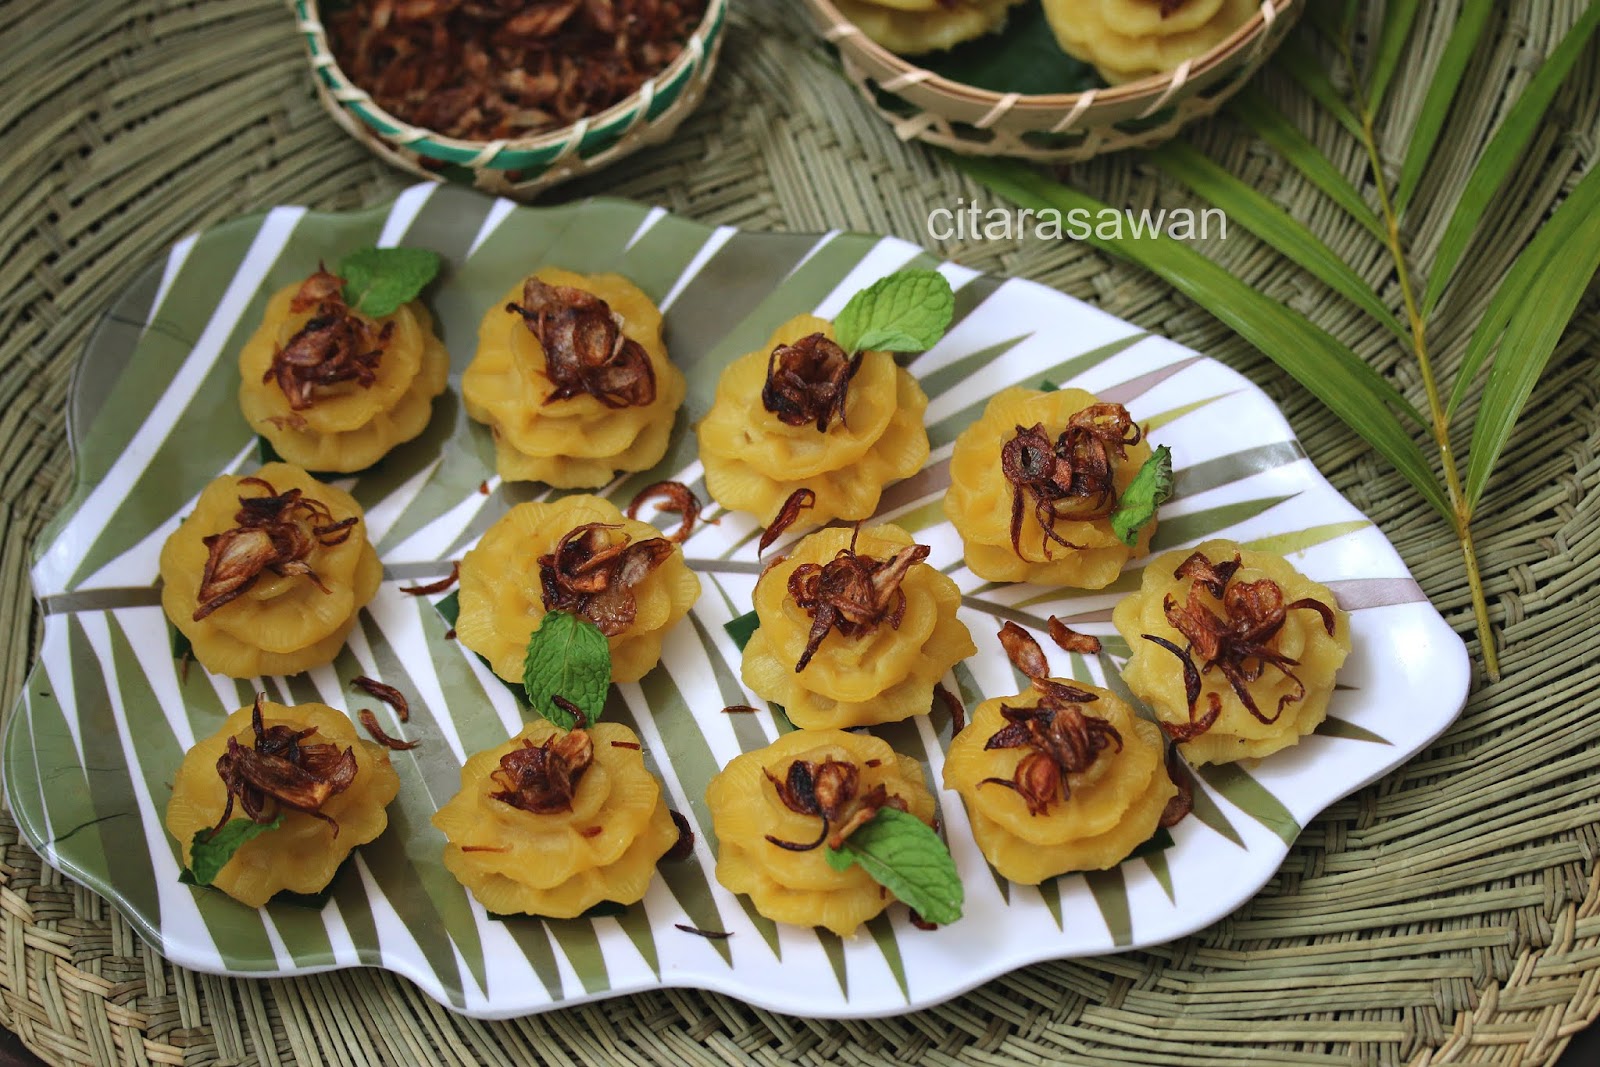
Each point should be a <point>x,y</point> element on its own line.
<point>92,747</point>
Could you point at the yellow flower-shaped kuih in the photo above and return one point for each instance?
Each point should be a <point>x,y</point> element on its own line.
<point>1111,808</point>
<point>302,854</point>
<point>800,887</point>
<point>577,442</point>
<point>883,676</point>
<point>911,27</point>
<point>980,500</point>
<point>1156,676</point>
<point>753,461</point>
<point>502,601</point>
<point>559,864</point>
<point>1130,39</point>
<point>281,624</point>
<point>348,427</point>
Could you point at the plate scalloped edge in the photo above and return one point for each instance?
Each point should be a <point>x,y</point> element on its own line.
<point>105,714</point>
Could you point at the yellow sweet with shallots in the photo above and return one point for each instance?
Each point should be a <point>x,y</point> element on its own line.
<point>853,435</point>
<point>882,666</point>
<point>268,572</point>
<point>1234,650</point>
<point>912,27</point>
<point>1064,777</point>
<point>551,823</point>
<point>302,854</point>
<point>541,557</point>
<point>333,389</point>
<point>750,814</point>
<point>1031,528</point>
<point>572,378</point>
<point>1130,39</point>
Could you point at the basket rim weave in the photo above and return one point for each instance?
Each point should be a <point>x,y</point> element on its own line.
<point>653,99</point>
<point>903,72</point>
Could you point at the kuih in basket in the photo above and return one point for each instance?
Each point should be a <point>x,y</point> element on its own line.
<point>520,166</point>
<point>927,103</point>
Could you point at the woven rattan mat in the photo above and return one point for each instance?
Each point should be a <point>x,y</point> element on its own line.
<point>1447,914</point>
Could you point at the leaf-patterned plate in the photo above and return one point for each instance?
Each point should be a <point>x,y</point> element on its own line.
<point>108,713</point>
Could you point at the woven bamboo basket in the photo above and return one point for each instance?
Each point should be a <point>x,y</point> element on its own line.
<point>520,167</point>
<point>1060,127</point>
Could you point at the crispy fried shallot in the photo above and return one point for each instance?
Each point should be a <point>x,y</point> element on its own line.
<point>852,593</point>
<point>676,497</point>
<point>593,575</point>
<point>832,790</point>
<point>1237,643</point>
<point>1071,477</point>
<point>800,500</point>
<point>1071,640</point>
<point>491,69</point>
<point>585,350</point>
<point>807,381</point>
<point>544,778</point>
<point>1061,740</point>
<point>952,703</point>
<point>683,847</point>
<point>386,693</point>
<point>435,587</point>
<point>335,345</point>
<point>1182,804</point>
<point>1023,651</point>
<point>279,772</point>
<point>275,532</point>
<point>394,744</point>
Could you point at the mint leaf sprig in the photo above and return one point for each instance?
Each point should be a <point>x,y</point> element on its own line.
<point>902,853</point>
<point>907,311</point>
<point>377,281</point>
<point>210,852</point>
<point>567,671</point>
<point>1150,488</point>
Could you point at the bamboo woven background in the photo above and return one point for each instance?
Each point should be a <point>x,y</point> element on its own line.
<point>1450,913</point>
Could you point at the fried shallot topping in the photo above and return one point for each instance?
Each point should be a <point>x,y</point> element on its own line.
<point>386,693</point>
<point>1023,651</point>
<point>275,532</point>
<point>1237,643</point>
<point>394,744</point>
<point>1071,640</point>
<point>675,497</point>
<point>1061,740</point>
<point>830,789</point>
<point>1071,477</point>
<point>585,350</point>
<point>808,381</point>
<point>592,575</point>
<point>482,70</point>
<point>335,345</point>
<point>544,778</point>
<point>279,772</point>
<point>801,499</point>
<point>852,593</point>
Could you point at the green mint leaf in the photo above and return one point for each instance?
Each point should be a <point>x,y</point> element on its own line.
<point>378,280</point>
<point>906,312</point>
<point>568,657</point>
<point>210,852</point>
<point>905,856</point>
<point>1149,489</point>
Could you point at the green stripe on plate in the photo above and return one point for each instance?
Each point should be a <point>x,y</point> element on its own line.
<point>746,728</point>
<point>1171,415</point>
<point>1111,896</point>
<point>581,945</point>
<point>1252,798</point>
<point>881,928</point>
<point>1335,727</point>
<point>687,880</point>
<point>833,947</point>
<point>947,428</point>
<point>1050,893</point>
<point>1300,540</point>
<point>1199,525</point>
<point>1157,862</point>
<point>635,922</point>
<point>1235,466</point>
